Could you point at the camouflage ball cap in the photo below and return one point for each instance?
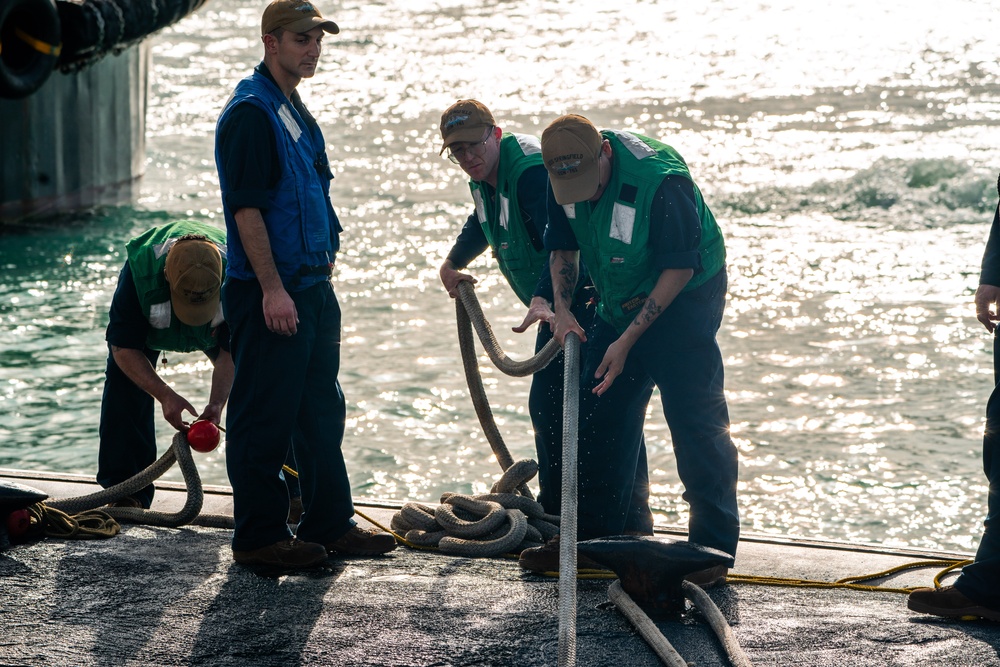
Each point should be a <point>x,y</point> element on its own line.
<point>465,121</point>
<point>296,16</point>
<point>571,148</point>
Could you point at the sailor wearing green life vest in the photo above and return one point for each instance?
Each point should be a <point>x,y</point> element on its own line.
<point>508,184</point>
<point>167,300</point>
<point>628,207</point>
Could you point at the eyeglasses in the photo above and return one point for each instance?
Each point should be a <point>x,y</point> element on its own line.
<point>472,148</point>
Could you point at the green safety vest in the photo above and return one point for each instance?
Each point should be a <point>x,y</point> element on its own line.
<point>147,256</point>
<point>613,235</point>
<point>504,226</point>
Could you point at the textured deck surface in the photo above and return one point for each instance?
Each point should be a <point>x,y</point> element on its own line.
<point>159,596</point>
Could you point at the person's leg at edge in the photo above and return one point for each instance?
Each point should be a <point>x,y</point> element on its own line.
<point>260,419</point>
<point>980,581</point>
<point>326,488</point>
<point>127,431</point>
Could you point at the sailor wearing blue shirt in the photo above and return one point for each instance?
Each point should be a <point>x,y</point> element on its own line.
<point>282,309</point>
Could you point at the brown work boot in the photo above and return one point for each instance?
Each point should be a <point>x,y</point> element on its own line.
<point>289,554</point>
<point>709,577</point>
<point>950,602</point>
<point>546,559</point>
<point>360,541</point>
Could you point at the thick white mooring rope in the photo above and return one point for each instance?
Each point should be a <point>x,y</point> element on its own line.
<point>567,527</point>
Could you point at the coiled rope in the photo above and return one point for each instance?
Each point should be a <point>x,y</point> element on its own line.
<point>482,525</point>
<point>91,525</point>
<point>509,519</point>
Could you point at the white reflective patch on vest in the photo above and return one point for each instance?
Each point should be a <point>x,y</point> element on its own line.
<point>285,114</point>
<point>160,249</point>
<point>477,196</point>
<point>529,145</point>
<point>622,222</point>
<point>159,315</point>
<point>219,318</point>
<point>636,146</point>
<point>504,211</point>
<point>570,210</point>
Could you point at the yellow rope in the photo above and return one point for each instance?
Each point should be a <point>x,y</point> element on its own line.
<point>848,583</point>
<point>854,583</point>
<point>954,566</point>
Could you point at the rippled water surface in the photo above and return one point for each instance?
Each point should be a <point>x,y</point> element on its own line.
<point>849,153</point>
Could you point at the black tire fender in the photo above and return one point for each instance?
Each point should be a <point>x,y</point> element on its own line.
<point>30,43</point>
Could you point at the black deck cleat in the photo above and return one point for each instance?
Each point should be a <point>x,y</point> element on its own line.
<point>651,569</point>
<point>15,496</point>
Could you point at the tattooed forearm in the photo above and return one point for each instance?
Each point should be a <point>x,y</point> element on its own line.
<point>567,281</point>
<point>650,311</point>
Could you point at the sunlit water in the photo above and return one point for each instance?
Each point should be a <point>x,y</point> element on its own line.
<point>848,151</point>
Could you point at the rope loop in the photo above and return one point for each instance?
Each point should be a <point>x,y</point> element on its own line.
<point>179,452</point>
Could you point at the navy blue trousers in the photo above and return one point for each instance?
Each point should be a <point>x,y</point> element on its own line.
<point>127,432</point>
<point>284,382</point>
<point>545,405</point>
<point>680,356</point>
<point>981,580</point>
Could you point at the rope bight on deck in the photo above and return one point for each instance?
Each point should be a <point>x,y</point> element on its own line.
<point>189,514</point>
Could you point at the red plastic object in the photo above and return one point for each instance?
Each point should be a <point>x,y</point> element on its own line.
<point>18,523</point>
<point>203,436</point>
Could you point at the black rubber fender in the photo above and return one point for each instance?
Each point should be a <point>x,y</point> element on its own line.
<point>30,44</point>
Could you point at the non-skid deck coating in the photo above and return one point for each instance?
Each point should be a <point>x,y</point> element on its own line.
<point>160,596</point>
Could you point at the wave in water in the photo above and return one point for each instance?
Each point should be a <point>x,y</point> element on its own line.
<point>903,194</point>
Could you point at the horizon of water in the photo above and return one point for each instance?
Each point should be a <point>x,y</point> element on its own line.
<point>848,153</point>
